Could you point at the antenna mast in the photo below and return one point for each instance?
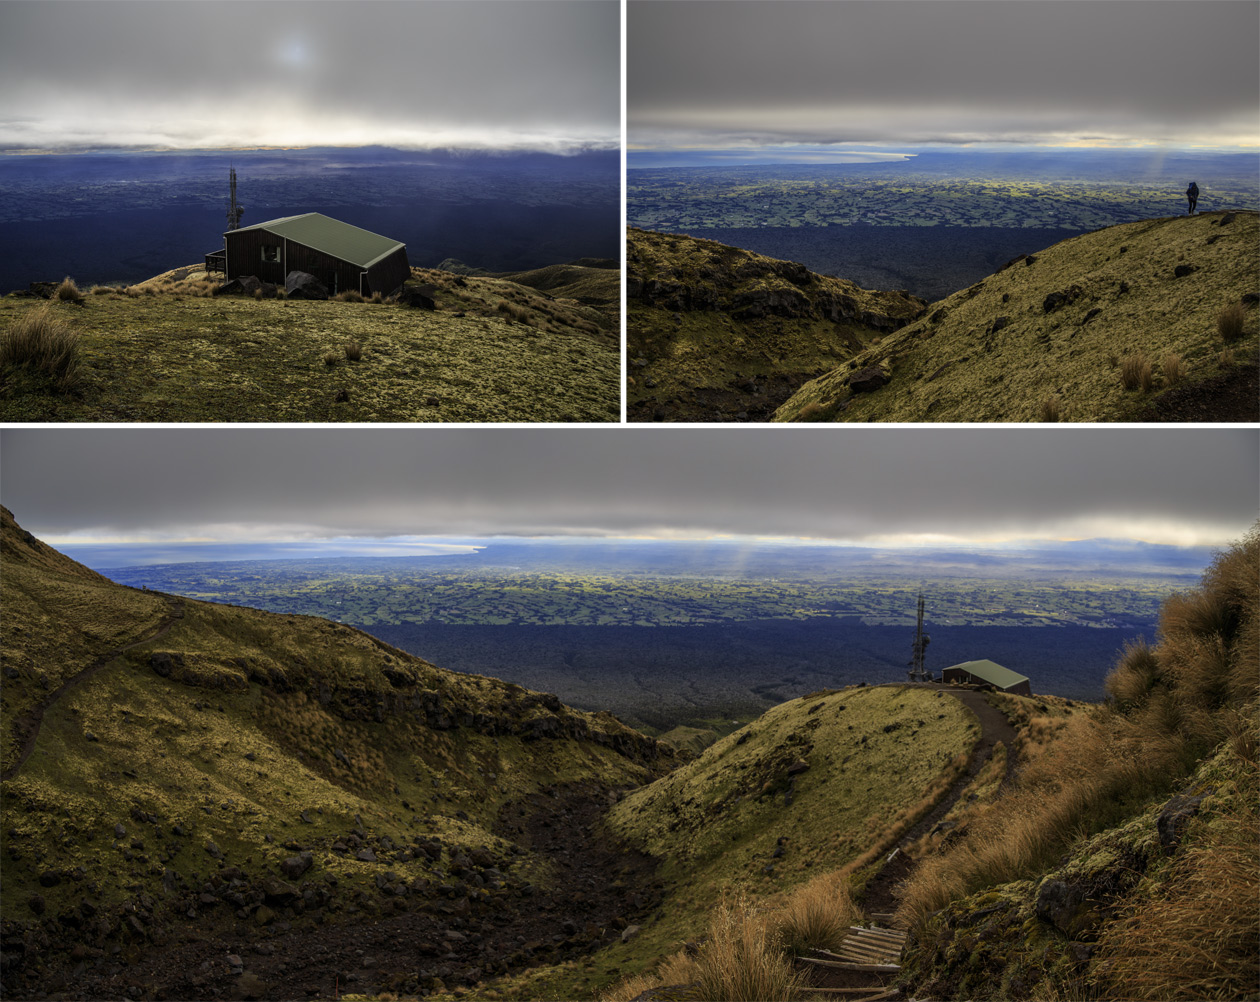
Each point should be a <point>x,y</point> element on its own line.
<point>234,211</point>
<point>917,672</point>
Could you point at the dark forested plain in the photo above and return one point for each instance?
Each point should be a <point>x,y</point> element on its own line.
<point>124,216</point>
<point>669,634</point>
<point>936,221</point>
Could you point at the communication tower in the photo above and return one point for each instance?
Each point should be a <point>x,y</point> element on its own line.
<point>917,672</point>
<point>234,211</point>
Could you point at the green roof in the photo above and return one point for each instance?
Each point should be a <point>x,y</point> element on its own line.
<point>991,672</point>
<point>331,236</point>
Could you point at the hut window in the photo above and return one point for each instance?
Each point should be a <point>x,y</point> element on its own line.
<point>271,254</point>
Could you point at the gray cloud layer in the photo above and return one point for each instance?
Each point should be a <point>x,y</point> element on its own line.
<point>1169,485</point>
<point>529,72</point>
<point>918,71</point>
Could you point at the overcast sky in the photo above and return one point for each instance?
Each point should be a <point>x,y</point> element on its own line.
<point>884,485</point>
<point>910,72</point>
<point>540,74</point>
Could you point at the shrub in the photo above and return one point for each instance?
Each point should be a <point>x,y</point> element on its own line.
<point>1049,411</point>
<point>1173,367</point>
<point>44,343</point>
<point>1136,373</point>
<point>68,292</point>
<point>354,351</point>
<point>1229,322</point>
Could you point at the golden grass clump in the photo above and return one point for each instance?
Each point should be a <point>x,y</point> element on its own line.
<point>1136,373</point>
<point>743,959</point>
<point>1230,321</point>
<point>349,296</point>
<point>1135,674</point>
<point>1050,411</point>
<point>354,351</point>
<point>817,915</point>
<point>330,358</point>
<point>812,411</point>
<point>42,342</point>
<point>1173,368</point>
<point>68,292</point>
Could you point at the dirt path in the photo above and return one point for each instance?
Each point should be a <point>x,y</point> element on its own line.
<point>994,727</point>
<point>28,723</point>
<point>879,896</point>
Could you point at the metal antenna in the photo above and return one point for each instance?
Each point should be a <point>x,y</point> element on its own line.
<point>917,672</point>
<point>234,211</point>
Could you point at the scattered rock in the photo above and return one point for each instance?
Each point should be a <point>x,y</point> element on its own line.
<point>295,866</point>
<point>303,285</point>
<point>1182,270</point>
<point>629,932</point>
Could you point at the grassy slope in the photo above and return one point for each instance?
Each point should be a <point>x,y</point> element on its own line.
<point>167,353</point>
<point>682,350</point>
<point>59,616</point>
<point>715,822</point>
<point>951,365</point>
<point>263,717</point>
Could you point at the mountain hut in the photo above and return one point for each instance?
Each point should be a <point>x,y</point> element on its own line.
<point>988,674</point>
<point>343,257</point>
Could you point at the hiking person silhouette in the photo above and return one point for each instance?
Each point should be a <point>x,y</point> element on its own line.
<point>1192,193</point>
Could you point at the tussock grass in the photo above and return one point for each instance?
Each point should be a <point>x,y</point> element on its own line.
<point>349,296</point>
<point>1196,938</point>
<point>741,961</point>
<point>45,345</point>
<point>1173,367</point>
<point>1230,322</point>
<point>1136,373</point>
<point>817,915</point>
<point>330,358</point>
<point>68,292</point>
<point>1050,410</point>
<point>354,351</point>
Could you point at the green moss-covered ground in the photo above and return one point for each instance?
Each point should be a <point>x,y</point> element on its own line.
<point>492,351</point>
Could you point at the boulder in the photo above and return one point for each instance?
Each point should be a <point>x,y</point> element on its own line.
<point>1173,818</point>
<point>303,285</point>
<point>418,296</point>
<point>867,380</point>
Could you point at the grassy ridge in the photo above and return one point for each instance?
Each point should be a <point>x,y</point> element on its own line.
<point>1044,339</point>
